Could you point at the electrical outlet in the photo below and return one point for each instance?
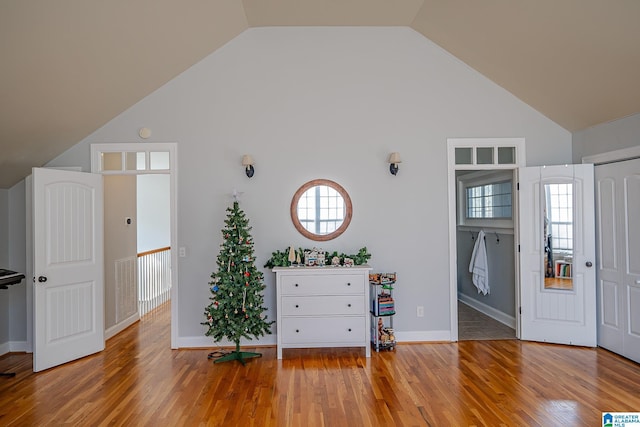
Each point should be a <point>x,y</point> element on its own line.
<point>182,252</point>
<point>420,311</point>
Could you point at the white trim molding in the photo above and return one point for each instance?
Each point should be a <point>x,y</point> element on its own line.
<point>483,308</point>
<point>116,329</point>
<point>207,342</point>
<point>13,347</point>
<point>613,156</point>
<point>520,161</point>
<point>172,171</point>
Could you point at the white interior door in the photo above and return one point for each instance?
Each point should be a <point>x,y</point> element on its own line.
<point>557,252</point>
<point>68,266</point>
<point>618,230</point>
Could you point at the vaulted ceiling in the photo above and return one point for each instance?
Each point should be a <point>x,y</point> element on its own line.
<point>70,66</point>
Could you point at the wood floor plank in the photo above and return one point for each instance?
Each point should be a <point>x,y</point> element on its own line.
<point>138,380</point>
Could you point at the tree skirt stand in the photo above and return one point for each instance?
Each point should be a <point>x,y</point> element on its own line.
<point>238,355</point>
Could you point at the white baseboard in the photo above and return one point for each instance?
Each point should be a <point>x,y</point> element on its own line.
<point>13,347</point>
<point>116,329</point>
<point>498,315</point>
<point>270,340</point>
<point>207,342</point>
<point>423,336</point>
<point>18,346</point>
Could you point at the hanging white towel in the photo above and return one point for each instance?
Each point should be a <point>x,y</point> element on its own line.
<point>478,265</point>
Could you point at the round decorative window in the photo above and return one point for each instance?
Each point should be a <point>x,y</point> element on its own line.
<point>321,210</point>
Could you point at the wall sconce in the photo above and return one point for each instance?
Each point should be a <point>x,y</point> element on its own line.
<point>247,162</point>
<point>394,159</point>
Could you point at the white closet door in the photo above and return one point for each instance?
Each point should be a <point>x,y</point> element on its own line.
<point>618,232</point>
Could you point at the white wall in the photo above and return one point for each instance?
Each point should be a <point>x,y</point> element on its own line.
<point>501,267</point>
<point>13,301</point>
<point>4,228</point>
<point>119,237</point>
<point>153,211</point>
<point>616,135</point>
<point>4,263</point>
<point>326,103</point>
<point>17,262</point>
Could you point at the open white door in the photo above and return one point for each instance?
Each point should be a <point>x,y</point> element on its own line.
<point>68,266</point>
<point>557,252</point>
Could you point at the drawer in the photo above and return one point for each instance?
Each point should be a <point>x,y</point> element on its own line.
<point>322,305</point>
<point>317,330</point>
<point>326,284</point>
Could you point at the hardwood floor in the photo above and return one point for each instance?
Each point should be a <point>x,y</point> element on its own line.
<point>139,381</point>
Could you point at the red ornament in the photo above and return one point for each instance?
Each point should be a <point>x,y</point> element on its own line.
<point>246,284</point>
<point>246,273</point>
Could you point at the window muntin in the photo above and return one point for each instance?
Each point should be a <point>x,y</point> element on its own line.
<point>489,201</point>
<point>134,161</point>
<point>485,155</point>
<point>560,215</point>
<point>495,211</point>
<point>321,210</point>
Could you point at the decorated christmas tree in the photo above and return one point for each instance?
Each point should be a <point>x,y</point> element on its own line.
<point>236,309</point>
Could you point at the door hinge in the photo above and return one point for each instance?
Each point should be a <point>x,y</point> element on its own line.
<point>518,186</point>
<point>520,309</point>
<point>518,248</point>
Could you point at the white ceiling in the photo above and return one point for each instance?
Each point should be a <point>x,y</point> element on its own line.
<point>70,66</point>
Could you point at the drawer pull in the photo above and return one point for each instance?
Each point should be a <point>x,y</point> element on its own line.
<point>349,329</point>
<point>297,330</point>
<point>297,306</point>
<point>348,283</point>
<point>348,305</point>
<point>296,285</point>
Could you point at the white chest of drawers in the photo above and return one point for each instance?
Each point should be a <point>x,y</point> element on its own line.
<point>323,307</point>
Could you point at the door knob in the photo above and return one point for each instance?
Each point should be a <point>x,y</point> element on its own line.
<point>42,279</point>
<point>589,264</point>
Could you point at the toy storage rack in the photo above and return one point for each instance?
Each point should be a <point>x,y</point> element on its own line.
<point>382,310</point>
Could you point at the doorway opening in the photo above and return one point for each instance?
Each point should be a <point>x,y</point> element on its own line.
<point>152,167</point>
<point>153,241</point>
<point>486,258</point>
<point>486,164</point>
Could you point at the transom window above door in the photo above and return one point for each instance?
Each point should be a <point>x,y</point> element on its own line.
<point>126,161</point>
<point>487,153</point>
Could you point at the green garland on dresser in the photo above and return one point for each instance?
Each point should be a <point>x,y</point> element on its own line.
<point>281,258</point>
